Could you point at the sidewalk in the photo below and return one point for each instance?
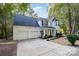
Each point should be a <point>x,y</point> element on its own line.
<point>40,47</point>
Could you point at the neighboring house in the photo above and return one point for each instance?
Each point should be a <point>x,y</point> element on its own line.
<point>25,27</point>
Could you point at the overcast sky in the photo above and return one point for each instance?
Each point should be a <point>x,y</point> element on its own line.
<point>40,9</point>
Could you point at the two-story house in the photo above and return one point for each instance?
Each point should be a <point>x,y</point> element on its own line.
<point>26,27</point>
<point>55,24</point>
<point>50,27</point>
<point>46,31</point>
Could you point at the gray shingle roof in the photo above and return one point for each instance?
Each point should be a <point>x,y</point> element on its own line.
<point>22,20</point>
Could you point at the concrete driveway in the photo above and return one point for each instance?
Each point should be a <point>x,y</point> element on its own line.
<point>41,47</point>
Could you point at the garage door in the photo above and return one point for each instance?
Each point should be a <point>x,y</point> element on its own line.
<point>34,34</point>
<point>19,35</point>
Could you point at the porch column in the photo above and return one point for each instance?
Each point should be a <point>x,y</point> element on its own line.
<point>44,33</point>
<point>51,32</point>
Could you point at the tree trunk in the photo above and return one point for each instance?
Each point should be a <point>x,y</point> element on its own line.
<point>69,20</point>
<point>6,34</point>
<point>1,31</point>
<point>5,27</point>
<point>73,27</point>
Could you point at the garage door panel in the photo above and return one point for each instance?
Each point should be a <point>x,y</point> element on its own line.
<point>20,35</point>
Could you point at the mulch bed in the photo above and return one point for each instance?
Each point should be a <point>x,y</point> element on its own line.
<point>8,49</point>
<point>64,41</point>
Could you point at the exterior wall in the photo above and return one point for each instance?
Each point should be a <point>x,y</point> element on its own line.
<point>25,32</point>
<point>40,23</point>
<point>50,23</point>
<point>55,25</point>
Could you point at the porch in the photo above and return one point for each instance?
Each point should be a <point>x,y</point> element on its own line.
<point>47,32</point>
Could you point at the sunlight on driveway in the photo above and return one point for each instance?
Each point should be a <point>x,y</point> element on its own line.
<point>40,47</point>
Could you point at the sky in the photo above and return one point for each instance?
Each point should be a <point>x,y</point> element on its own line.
<point>40,9</point>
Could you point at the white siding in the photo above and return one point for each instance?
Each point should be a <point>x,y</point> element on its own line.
<point>50,23</point>
<point>24,32</point>
<point>40,23</point>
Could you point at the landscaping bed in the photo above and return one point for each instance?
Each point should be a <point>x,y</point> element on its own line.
<point>64,41</point>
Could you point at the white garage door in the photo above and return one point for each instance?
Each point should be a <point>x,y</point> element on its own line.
<point>34,34</point>
<point>20,33</point>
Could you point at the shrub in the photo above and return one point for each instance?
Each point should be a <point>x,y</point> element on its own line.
<point>72,39</point>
